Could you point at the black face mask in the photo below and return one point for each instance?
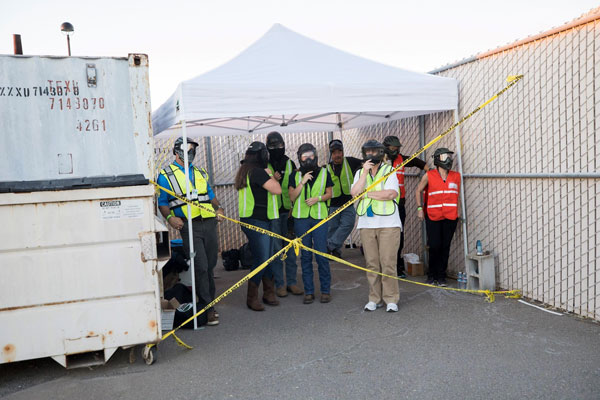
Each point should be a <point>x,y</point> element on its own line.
<point>276,154</point>
<point>310,164</point>
<point>373,159</point>
<point>392,154</point>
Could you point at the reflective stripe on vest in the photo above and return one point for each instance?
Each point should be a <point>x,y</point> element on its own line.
<point>343,183</point>
<point>317,210</point>
<point>379,207</point>
<point>285,191</point>
<point>246,202</point>
<point>442,198</point>
<point>400,175</point>
<point>176,178</point>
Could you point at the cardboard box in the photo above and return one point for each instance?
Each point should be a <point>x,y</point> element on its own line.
<point>172,304</point>
<point>415,269</point>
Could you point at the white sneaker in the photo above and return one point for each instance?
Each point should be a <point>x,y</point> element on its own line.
<point>370,306</point>
<point>391,307</point>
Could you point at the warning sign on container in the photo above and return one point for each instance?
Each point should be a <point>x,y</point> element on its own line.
<point>121,209</point>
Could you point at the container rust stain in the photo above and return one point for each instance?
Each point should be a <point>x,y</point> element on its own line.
<point>8,353</point>
<point>152,324</point>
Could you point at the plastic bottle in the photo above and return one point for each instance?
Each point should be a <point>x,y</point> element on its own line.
<point>479,248</point>
<point>463,280</point>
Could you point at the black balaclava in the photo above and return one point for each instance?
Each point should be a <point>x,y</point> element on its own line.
<point>391,141</point>
<point>276,147</point>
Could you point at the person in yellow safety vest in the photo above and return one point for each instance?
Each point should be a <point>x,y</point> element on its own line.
<point>258,206</point>
<point>309,189</point>
<point>394,158</point>
<point>282,168</point>
<point>379,225</point>
<point>342,170</point>
<point>204,225</point>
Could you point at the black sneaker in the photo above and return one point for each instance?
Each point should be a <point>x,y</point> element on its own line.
<point>402,274</point>
<point>442,282</point>
<point>336,253</point>
<point>430,281</point>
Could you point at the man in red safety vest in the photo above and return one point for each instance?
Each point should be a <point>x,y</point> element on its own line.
<point>443,187</point>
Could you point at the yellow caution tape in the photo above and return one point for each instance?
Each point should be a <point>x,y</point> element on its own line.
<point>297,243</point>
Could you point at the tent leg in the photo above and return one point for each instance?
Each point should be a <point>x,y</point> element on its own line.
<point>189,216</point>
<point>462,189</point>
<point>423,156</point>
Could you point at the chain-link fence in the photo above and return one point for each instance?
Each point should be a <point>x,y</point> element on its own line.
<point>543,230</point>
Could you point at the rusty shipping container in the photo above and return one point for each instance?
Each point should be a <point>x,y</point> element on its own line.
<point>78,246</point>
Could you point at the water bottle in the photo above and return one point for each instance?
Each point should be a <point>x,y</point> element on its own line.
<point>479,248</point>
<point>464,280</point>
<point>460,280</point>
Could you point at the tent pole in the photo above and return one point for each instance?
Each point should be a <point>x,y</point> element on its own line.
<point>462,189</point>
<point>186,171</point>
<point>424,158</point>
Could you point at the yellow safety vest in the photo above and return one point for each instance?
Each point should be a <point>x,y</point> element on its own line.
<point>317,210</point>
<point>285,194</point>
<point>246,202</point>
<point>379,207</point>
<point>344,182</point>
<point>176,178</point>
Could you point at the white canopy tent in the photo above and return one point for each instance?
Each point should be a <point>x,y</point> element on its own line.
<point>290,83</point>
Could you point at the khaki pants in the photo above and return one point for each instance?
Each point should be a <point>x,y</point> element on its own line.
<point>381,250</point>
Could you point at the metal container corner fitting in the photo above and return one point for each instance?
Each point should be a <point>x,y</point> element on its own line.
<point>80,246</point>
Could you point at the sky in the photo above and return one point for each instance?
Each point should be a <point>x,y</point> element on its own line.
<point>183,38</point>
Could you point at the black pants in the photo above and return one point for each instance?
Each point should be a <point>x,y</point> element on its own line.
<point>439,237</point>
<point>400,260</point>
<point>206,246</point>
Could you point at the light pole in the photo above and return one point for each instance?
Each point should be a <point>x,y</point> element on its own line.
<point>67,29</point>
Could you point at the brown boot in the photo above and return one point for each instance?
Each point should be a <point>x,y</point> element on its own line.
<point>252,300</point>
<point>295,290</point>
<point>281,292</point>
<point>269,292</point>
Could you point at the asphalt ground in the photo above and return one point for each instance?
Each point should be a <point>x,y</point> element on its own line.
<point>441,344</point>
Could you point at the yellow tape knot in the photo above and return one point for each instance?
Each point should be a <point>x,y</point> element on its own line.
<point>490,296</point>
<point>181,342</point>
<point>297,243</point>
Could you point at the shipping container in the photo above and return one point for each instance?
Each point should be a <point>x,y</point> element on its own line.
<point>79,251</point>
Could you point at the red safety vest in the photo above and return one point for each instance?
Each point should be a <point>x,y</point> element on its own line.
<point>400,175</point>
<point>442,199</point>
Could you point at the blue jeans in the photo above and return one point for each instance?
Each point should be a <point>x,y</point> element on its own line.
<point>260,246</point>
<point>317,239</point>
<point>280,226</point>
<point>340,227</point>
